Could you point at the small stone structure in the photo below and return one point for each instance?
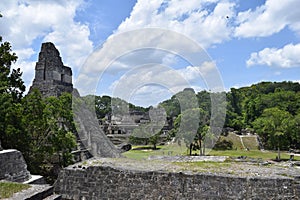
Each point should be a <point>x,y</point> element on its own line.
<point>52,78</point>
<point>13,166</point>
<point>103,180</point>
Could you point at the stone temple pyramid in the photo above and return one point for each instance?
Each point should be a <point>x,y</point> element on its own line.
<point>52,78</point>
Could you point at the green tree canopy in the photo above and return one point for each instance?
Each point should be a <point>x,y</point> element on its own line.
<point>190,126</point>
<point>274,128</point>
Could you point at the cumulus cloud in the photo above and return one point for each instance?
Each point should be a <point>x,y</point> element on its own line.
<point>269,18</point>
<point>154,82</point>
<point>44,21</point>
<point>286,57</point>
<point>191,18</point>
<point>150,95</point>
<point>189,24</point>
<point>151,47</point>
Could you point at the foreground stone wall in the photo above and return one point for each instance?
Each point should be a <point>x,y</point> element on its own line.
<point>106,182</point>
<point>13,166</point>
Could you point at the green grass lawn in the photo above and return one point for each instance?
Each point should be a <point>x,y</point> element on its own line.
<point>204,166</point>
<point>265,155</point>
<point>250,142</point>
<point>7,189</point>
<point>143,152</point>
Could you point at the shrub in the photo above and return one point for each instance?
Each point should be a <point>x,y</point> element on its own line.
<point>223,145</point>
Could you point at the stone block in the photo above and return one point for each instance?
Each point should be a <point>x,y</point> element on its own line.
<point>13,166</point>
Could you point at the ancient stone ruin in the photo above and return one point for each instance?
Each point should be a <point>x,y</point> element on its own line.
<point>125,179</point>
<point>52,78</point>
<point>13,166</point>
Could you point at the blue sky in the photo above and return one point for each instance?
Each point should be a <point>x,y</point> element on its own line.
<point>242,42</point>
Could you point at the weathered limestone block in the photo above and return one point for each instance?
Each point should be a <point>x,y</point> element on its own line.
<point>13,166</point>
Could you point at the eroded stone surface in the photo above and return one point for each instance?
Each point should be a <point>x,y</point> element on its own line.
<point>52,78</point>
<point>13,166</point>
<point>130,179</point>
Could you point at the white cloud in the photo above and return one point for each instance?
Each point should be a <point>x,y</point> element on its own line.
<point>73,44</point>
<point>269,18</point>
<point>154,82</point>
<point>286,57</point>
<point>190,18</point>
<point>151,74</point>
<point>29,22</point>
<point>26,66</point>
<point>142,47</point>
<point>150,95</point>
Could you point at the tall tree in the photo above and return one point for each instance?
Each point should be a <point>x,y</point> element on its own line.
<point>274,126</point>
<point>191,126</point>
<point>49,127</point>
<point>295,132</point>
<point>11,91</point>
<point>10,79</point>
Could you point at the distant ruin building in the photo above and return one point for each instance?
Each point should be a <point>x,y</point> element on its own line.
<point>52,78</point>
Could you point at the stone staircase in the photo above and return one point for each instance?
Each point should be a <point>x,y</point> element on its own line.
<point>36,192</point>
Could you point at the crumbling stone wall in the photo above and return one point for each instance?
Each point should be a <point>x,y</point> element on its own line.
<point>105,182</point>
<point>13,166</point>
<point>52,78</point>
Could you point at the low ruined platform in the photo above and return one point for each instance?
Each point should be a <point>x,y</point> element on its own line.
<point>122,178</point>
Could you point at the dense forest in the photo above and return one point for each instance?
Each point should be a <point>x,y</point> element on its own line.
<point>271,109</point>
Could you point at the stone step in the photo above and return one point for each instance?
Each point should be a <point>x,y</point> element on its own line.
<point>36,179</point>
<point>53,197</point>
<point>36,192</point>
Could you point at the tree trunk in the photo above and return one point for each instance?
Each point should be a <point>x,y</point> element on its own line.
<point>154,146</point>
<point>279,154</point>
<point>200,147</point>
<point>191,147</point>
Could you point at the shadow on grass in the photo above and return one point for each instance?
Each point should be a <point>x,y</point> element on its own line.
<point>145,148</point>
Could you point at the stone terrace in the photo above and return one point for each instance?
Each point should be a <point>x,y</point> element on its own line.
<point>121,178</point>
